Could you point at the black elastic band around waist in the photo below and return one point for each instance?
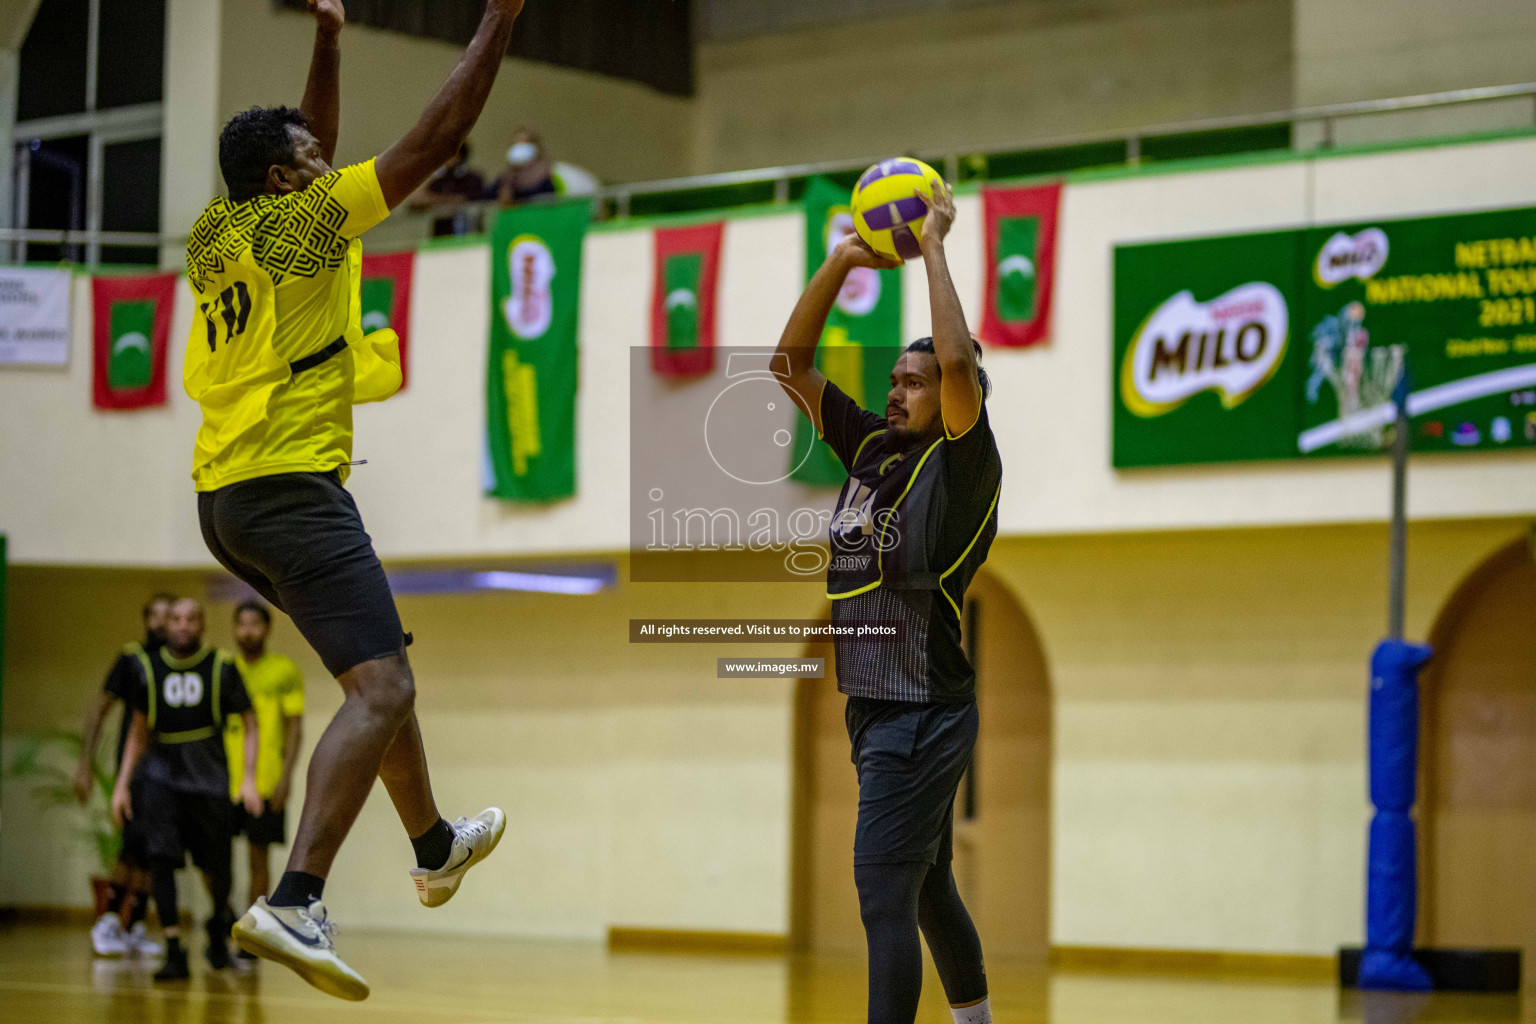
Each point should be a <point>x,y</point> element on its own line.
<point>314,359</point>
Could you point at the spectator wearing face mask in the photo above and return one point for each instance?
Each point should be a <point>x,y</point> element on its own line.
<point>531,173</point>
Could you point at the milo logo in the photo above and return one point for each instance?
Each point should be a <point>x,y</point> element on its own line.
<point>1345,256</point>
<point>1230,345</point>
<point>530,306</point>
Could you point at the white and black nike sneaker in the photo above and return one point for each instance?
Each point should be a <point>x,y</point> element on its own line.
<point>473,840</point>
<point>300,938</point>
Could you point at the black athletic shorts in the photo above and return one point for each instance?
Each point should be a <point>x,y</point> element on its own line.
<point>298,540</point>
<point>910,759</point>
<point>174,823</point>
<point>269,828</point>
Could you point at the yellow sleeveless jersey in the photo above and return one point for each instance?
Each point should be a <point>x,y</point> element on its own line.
<point>275,280</point>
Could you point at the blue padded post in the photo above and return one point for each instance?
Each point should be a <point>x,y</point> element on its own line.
<point>1392,863</point>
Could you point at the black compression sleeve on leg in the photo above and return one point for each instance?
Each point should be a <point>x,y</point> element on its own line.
<point>165,894</point>
<point>952,938</point>
<point>220,881</point>
<point>888,907</point>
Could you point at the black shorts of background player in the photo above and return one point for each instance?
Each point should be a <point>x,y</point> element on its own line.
<point>913,524</point>
<point>174,784</point>
<point>120,929</point>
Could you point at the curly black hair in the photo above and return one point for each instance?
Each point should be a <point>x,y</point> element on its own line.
<point>251,143</point>
<point>926,345</point>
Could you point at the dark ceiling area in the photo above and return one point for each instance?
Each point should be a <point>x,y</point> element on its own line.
<point>646,41</point>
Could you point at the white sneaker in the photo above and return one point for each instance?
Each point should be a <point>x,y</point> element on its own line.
<point>139,942</point>
<point>473,841</point>
<point>107,937</point>
<point>300,938</point>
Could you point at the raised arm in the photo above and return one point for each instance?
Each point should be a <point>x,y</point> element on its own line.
<point>453,111</point>
<point>322,93</point>
<point>803,332</point>
<point>959,391</point>
<point>90,734</point>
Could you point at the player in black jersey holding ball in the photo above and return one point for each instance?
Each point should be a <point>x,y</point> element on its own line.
<point>914,522</point>
<point>174,783</point>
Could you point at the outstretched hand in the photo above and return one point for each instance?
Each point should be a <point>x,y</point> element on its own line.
<point>941,212</point>
<point>330,15</point>
<point>853,251</point>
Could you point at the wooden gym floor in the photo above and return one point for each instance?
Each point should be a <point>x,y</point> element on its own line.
<point>48,976</point>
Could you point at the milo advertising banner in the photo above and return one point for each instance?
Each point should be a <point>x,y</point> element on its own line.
<point>1289,344</point>
<point>530,402</point>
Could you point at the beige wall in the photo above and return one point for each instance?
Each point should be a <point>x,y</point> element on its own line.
<point>1347,50</point>
<point>641,790</point>
<point>1208,770</point>
<point>420,492</point>
<point>983,79</point>
<point>617,130</point>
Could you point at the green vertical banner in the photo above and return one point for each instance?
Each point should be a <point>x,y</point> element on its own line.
<point>862,339</point>
<point>532,367</point>
<point>1206,366</point>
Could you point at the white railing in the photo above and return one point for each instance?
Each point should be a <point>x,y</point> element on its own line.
<point>411,227</point>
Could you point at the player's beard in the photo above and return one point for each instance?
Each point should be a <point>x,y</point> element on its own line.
<point>906,439</point>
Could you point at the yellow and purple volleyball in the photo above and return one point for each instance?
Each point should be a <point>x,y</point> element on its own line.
<point>889,204</point>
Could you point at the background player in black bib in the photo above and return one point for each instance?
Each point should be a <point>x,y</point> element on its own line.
<point>130,875</point>
<point>914,522</point>
<point>174,784</point>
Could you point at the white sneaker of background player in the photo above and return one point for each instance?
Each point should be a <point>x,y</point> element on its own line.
<point>139,942</point>
<point>300,938</point>
<point>473,840</point>
<point>107,937</point>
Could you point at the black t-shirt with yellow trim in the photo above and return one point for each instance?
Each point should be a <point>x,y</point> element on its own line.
<point>911,529</point>
<point>276,279</point>
<point>187,701</point>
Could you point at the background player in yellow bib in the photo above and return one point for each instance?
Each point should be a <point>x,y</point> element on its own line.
<point>276,359</point>
<point>276,689</point>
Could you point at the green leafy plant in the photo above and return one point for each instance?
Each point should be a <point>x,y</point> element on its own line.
<point>38,763</point>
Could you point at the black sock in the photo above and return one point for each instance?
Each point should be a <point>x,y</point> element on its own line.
<point>115,894</point>
<point>172,945</point>
<point>434,846</point>
<point>297,889</point>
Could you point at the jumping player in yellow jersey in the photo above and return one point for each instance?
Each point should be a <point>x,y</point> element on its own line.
<point>276,359</point>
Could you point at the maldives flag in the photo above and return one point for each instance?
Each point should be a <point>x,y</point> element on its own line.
<point>683,299</point>
<point>1021,263</point>
<point>131,324</point>
<point>386,300</point>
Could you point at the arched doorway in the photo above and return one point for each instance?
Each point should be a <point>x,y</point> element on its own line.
<point>1479,760</point>
<point>1002,813</point>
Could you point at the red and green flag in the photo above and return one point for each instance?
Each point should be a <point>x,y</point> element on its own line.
<point>132,325</point>
<point>683,299</point>
<point>386,300</point>
<point>1021,263</point>
<point>862,339</point>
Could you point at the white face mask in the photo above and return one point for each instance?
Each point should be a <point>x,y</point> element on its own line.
<point>522,153</point>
